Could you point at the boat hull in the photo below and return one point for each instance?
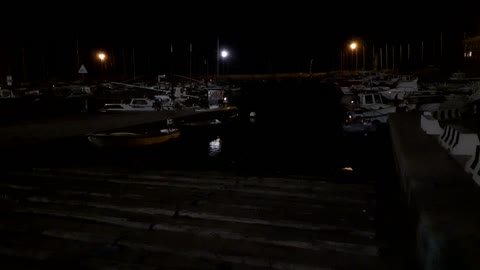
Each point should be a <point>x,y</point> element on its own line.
<point>127,139</point>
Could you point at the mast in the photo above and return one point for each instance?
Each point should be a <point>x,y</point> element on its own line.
<point>218,56</point>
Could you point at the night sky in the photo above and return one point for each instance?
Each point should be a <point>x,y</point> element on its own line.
<point>261,38</point>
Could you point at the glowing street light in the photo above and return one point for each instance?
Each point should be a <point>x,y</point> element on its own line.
<point>353,46</point>
<point>223,54</point>
<point>101,56</point>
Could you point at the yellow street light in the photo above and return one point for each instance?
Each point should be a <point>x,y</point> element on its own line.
<point>353,46</point>
<point>101,56</point>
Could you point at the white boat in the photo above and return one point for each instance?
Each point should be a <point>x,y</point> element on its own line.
<point>378,115</point>
<point>369,101</point>
<point>120,107</point>
<point>161,102</point>
<point>367,112</point>
<point>405,87</point>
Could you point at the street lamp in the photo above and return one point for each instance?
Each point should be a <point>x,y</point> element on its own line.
<point>353,46</point>
<point>224,55</point>
<point>102,56</point>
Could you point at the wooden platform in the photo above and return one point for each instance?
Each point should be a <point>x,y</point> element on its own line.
<point>100,219</point>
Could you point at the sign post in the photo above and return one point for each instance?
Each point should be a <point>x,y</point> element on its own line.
<point>82,71</point>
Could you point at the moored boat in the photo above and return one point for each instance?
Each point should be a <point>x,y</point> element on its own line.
<point>132,139</point>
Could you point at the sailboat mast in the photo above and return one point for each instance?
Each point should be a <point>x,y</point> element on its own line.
<point>218,56</point>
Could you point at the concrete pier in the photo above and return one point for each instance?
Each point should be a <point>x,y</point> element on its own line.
<point>442,197</point>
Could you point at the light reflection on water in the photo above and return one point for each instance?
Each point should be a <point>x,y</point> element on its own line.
<point>215,147</point>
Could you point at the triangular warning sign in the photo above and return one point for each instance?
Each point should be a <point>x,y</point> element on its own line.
<point>82,70</point>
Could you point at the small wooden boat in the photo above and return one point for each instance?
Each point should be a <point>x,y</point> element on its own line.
<point>131,139</point>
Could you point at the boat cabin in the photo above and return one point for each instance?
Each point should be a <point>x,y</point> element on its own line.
<point>372,101</point>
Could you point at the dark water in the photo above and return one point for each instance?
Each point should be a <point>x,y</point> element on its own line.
<point>297,129</point>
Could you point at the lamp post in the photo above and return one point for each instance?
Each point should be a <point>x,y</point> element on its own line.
<point>224,55</point>
<point>101,56</point>
<point>353,46</point>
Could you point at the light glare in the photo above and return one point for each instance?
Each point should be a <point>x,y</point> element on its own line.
<point>101,56</point>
